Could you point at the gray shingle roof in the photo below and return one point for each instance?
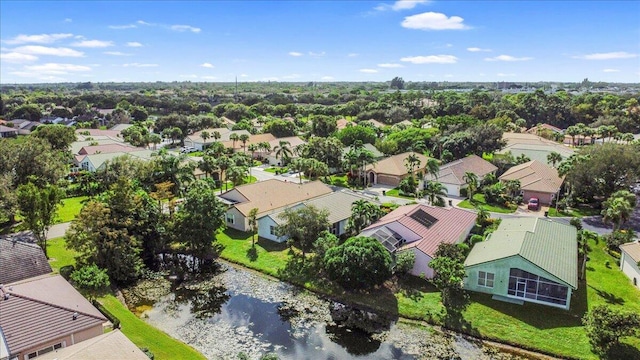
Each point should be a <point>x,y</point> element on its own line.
<point>20,258</point>
<point>549,245</point>
<point>453,172</point>
<point>535,176</point>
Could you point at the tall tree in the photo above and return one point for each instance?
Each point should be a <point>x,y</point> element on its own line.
<point>435,193</point>
<point>363,214</point>
<point>283,151</point>
<point>471,180</point>
<point>618,208</point>
<point>303,226</point>
<point>59,136</point>
<point>243,139</point>
<point>361,262</point>
<point>605,326</point>
<point>38,207</point>
<point>448,266</point>
<point>253,225</point>
<point>198,220</point>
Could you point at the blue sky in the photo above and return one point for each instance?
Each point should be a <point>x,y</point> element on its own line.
<point>54,41</point>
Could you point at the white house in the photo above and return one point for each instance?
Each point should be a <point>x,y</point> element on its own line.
<point>629,260</point>
<point>451,175</point>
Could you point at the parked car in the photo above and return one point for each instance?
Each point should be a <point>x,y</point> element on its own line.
<point>534,204</point>
<point>187,149</point>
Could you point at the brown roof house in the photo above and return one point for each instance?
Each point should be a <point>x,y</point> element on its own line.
<point>421,228</point>
<point>21,258</point>
<point>392,170</point>
<point>268,197</point>
<point>45,313</point>
<point>536,180</point>
<point>451,175</point>
<point>630,260</point>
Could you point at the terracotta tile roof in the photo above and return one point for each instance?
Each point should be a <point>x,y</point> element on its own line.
<point>273,194</point>
<point>99,132</point>
<point>112,345</point>
<point>453,172</point>
<point>21,259</point>
<point>632,249</point>
<point>452,225</point>
<point>395,165</point>
<point>534,176</point>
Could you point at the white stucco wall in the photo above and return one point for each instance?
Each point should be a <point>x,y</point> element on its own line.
<point>264,229</point>
<point>240,222</point>
<point>421,265</point>
<point>630,268</point>
<point>452,190</point>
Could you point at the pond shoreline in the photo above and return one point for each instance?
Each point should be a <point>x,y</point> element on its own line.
<point>491,343</point>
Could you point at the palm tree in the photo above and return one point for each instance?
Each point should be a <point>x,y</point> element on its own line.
<point>253,225</point>
<point>253,148</point>
<point>483,216</point>
<point>572,131</point>
<point>433,167</point>
<point>216,135</point>
<point>283,151</point>
<point>244,138</point>
<point>237,174</point>
<point>208,164</point>
<point>411,162</point>
<point>234,137</point>
<point>363,214</point>
<point>512,187</point>
<point>435,192</point>
<point>155,139</point>
<point>627,137</point>
<point>554,158</point>
<point>223,163</point>
<point>471,180</point>
<point>584,236</point>
<point>616,210</point>
<point>204,135</point>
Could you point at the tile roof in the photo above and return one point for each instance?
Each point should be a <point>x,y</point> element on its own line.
<point>107,148</point>
<point>28,322</point>
<point>632,249</point>
<point>273,194</point>
<point>453,172</point>
<point>253,139</point>
<point>547,244</point>
<point>100,132</point>
<point>535,176</point>
<point>452,224</point>
<point>337,203</point>
<point>20,258</point>
<point>110,346</point>
<point>395,165</point>
<point>77,145</point>
<point>6,129</point>
<point>533,146</point>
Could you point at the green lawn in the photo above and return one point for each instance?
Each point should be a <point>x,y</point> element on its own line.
<point>395,192</point>
<point>479,201</point>
<point>268,257</point>
<point>59,255</point>
<point>70,208</point>
<point>142,334</point>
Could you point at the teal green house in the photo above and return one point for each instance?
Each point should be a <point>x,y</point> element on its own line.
<point>526,259</point>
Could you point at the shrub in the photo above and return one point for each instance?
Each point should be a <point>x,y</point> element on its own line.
<point>114,320</point>
<point>361,262</point>
<point>475,239</point>
<point>66,271</point>
<point>464,192</point>
<point>404,262</point>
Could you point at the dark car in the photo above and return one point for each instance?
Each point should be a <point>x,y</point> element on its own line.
<point>534,204</point>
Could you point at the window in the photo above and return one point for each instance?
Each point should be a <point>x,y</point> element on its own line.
<point>526,285</point>
<point>44,351</point>
<point>230,219</point>
<point>272,230</point>
<point>485,279</point>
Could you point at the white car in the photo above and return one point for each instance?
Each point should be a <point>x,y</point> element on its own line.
<point>187,149</point>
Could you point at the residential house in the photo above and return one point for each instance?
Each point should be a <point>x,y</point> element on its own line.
<point>107,149</point>
<point>536,180</point>
<point>630,261</point>
<point>21,258</point>
<point>338,205</point>
<point>293,143</point>
<point>452,174</point>
<point>526,259</point>
<point>267,196</point>
<point>99,132</point>
<point>533,147</point>
<point>377,154</point>
<point>421,229</point>
<point>253,139</point>
<point>195,140</point>
<point>375,123</point>
<point>538,129</point>
<point>96,161</point>
<point>112,345</point>
<point>45,313</point>
<point>342,123</point>
<point>7,132</point>
<point>392,170</point>
<point>24,127</point>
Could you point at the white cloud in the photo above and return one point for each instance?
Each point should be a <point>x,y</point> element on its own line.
<point>390,65</point>
<point>505,75</point>
<point>610,70</point>
<point>400,5</point>
<point>44,50</point>
<point>317,54</point>
<point>139,65</point>
<point>38,39</point>
<point>352,55</point>
<point>508,58</point>
<point>182,28</point>
<point>368,71</point>
<point>207,65</point>
<point>244,75</point>
<point>434,21</point>
<point>431,59</point>
<point>134,44</point>
<point>477,49</point>
<point>116,53</point>
<point>68,20</point>
<point>291,77</point>
<point>295,53</point>
<point>144,23</point>
<point>17,58</point>
<point>448,75</point>
<point>93,43</point>
<point>122,27</point>
<point>190,76</point>
<point>607,56</point>
<point>326,78</point>
<point>56,69</point>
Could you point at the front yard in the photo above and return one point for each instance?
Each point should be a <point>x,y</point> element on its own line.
<point>480,202</point>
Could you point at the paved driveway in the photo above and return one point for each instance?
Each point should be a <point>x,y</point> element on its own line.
<point>58,230</point>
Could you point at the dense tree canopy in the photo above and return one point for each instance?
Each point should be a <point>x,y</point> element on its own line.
<point>361,262</point>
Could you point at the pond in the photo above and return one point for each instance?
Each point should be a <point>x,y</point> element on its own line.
<point>236,311</point>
